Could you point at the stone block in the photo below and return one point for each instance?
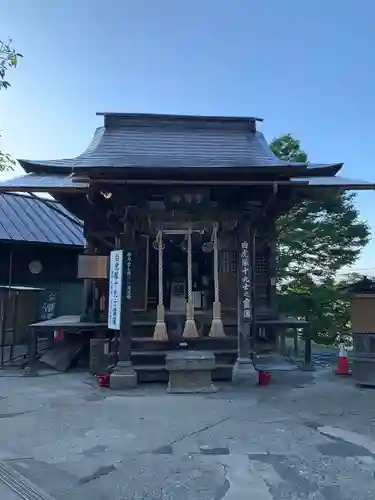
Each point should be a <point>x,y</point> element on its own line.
<point>190,371</point>
<point>123,377</point>
<point>244,373</point>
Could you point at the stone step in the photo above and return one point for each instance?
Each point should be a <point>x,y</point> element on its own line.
<point>218,366</point>
<point>205,343</point>
<point>157,373</point>
<point>157,357</point>
<point>164,352</point>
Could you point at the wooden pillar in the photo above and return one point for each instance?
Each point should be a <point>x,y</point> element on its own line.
<point>3,319</point>
<point>32,351</point>
<point>124,376</point>
<point>307,362</point>
<point>88,287</point>
<point>273,270</point>
<point>243,370</point>
<point>253,285</point>
<point>127,245</point>
<point>244,276</point>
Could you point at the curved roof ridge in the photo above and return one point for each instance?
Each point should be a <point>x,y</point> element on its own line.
<point>124,142</point>
<point>187,117</point>
<point>98,134</point>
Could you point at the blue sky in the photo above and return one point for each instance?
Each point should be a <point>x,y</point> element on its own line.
<point>306,67</point>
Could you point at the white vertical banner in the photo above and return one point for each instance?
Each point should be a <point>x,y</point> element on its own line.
<point>116,271</point>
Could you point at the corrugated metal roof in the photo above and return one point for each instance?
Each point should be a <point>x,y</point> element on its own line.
<point>40,182</point>
<point>36,220</point>
<point>167,141</point>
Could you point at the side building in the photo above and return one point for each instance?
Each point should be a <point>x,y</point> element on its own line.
<point>39,246</point>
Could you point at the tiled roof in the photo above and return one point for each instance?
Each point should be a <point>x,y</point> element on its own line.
<point>27,218</point>
<point>167,141</point>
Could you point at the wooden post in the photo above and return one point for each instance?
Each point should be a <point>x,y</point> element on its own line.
<point>3,316</point>
<point>252,321</point>
<point>273,269</point>
<point>307,364</point>
<point>124,376</point>
<point>127,296</point>
<point>243,370</point>
<point>30,370</point>
<point>88,287</point>
<point>14,325</point>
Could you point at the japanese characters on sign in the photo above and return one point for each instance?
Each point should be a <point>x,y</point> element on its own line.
<point>116,271</point>
<point>245,282</point>
<point>48,308</point>
<point>128,267</point>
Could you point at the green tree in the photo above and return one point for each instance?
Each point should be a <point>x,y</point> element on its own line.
<point>8,59</point>
<point>317,238</point>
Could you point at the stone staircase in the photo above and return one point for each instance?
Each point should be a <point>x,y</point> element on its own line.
<point>148,355</point>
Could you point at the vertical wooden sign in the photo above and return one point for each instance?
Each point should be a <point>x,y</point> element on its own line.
<point>116,273</point>
<point>128,275</point>
<point>245,283</point>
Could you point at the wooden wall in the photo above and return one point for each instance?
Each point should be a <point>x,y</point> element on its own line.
<point>59,263</point>
<point>59,273</point>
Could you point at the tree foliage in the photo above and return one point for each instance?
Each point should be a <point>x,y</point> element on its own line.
<point>8,59</point>
<point>317,238</point>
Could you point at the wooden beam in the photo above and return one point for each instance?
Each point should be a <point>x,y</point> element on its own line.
<point>169,182</point>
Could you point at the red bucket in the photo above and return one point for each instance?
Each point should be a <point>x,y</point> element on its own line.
<point>58,335</point>
<point>103,379</point>
<point>264,378</point>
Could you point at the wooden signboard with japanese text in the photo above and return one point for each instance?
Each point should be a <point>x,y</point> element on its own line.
<point>116,274</point>
<point>120,286</point>
<point>245,284</point>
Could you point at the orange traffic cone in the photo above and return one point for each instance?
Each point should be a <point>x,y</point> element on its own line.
<point>343,362</point>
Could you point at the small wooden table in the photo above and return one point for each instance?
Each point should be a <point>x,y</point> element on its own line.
<point>71,324</point>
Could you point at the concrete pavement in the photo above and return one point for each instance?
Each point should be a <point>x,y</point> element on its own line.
<point>306,436</point>
<point>7,493</point>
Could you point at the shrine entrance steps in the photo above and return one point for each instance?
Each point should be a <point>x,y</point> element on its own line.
<point>148,355</point>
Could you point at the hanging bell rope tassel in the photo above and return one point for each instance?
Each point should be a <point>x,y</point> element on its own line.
<point>190,329</point>
<point>160,331</point>
<point>217,327</point>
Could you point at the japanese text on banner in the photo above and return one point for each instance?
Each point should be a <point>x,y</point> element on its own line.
<point>115,289</point>
<point>129,292</point>
<point>245,281</point>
